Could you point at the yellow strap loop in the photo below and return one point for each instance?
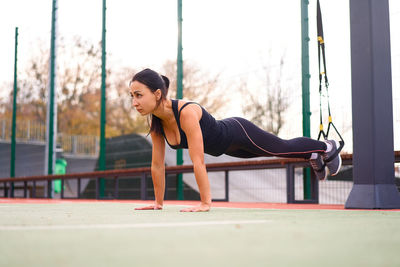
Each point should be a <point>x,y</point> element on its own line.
<point>321,127</point>
<point>330,118</point>
<point>321,41</point>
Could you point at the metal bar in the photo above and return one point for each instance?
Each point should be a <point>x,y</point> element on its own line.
<point>74,144</point>
<point>102,157</point>
<point>242,165</point>
<point>288,192</point>
<point>250,165</point>
<point>116,184</point>
<point>62,188</point>
<point>3,130</point>
<point>5,190</point>
<point>49,189</point>
<point>166,188</point>
<point>97,188</point>
<point>28,131</point>
<point>96,145</point>
<point>79,187</point>
<point>305,82</point>
<point>314,188</point>
<point>290,183</point>
<point>14,115</point>
<point>12,189</point>
<point>52,107</point>
<point>25,189</point>
<point>34,189</point>
<point>227,186</point>
<point>179,95</point>
<point>143,187</point>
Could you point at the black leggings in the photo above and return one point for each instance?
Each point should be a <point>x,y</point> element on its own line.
<point>250,141</point>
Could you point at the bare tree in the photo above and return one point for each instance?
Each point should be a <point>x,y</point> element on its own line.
<point>121,117</point>
<point>198,86</point>
<point>32,85</point>
<point>78,84</point>
<point>78,90</point>
<point>266,109</point>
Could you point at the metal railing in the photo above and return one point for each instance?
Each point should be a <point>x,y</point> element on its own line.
<point>144,173</point>
<point>35,132</point>
<point>28,131</point>
<point>79,144</point>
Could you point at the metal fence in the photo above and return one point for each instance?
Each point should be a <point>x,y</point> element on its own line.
<point>286,186</point>
<point>28,131</point>
<point>79,144</point>
<point>35,132</point>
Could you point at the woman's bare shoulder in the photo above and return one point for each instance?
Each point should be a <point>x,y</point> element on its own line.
<point>194,106</point>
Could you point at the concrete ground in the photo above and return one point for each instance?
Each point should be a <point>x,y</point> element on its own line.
<point>112,233</point>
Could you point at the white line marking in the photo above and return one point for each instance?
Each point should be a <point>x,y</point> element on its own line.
<point>123,226</point>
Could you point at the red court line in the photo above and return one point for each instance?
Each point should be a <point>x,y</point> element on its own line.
<point>248,205</point>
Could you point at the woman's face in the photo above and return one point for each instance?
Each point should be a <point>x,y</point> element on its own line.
<point>143,99</point>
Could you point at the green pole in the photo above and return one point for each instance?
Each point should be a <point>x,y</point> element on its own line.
<point>14,114</point>
<point>305,78</point>
<point>51,105</point>
<point>102,158</point>
<point>179,95</point>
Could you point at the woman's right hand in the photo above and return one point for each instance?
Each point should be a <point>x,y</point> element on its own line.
<point>151,207</point>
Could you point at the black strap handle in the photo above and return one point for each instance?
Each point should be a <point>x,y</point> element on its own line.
<point>321,52</point>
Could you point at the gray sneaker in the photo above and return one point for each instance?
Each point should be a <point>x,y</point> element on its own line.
<point>318,166</point>
<point>332,158</point>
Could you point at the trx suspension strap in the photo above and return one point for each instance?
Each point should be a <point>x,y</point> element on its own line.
<point>321,50</point>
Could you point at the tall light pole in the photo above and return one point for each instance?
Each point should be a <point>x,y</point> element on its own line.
<point>305,82</point>
<point>102,156</point>
<point>51,131</point>
<point>179,95</point>
<point>14,115</point>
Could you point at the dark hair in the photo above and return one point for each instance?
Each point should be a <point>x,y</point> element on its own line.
<point>153,81</point>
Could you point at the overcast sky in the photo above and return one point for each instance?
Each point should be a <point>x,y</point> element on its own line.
<point>231,37</point>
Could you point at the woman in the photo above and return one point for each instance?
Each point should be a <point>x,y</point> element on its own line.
<point>188,125</point>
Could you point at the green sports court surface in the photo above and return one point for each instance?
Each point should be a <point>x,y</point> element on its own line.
<point>112,233</point>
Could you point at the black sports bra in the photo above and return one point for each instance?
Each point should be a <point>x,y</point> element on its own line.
<point>216,137</point>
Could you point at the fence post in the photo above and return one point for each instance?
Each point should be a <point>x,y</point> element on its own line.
<point>74,144</point>
<point>28,134</point>
<point>79,187</point>
<point>97,146</point>
<point>50,189</point>
<point>62,188</point>
<point>227,186</point>
<point>25,189</point>
<point>290,183</point>
<point>3,130</point>
<point>314,188</point>
<point>116,183</point>
<point>97,188</point>
<point>143,187</point>
<point>34,189</point>
<point>5,190</point>
<point>166,188</point>
<point>12,190</point>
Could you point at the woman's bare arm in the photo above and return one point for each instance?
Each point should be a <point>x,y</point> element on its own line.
<point>189,119</point>
<point>157,171</point>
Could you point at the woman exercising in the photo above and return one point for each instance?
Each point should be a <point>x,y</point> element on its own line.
<point>188,125</point>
